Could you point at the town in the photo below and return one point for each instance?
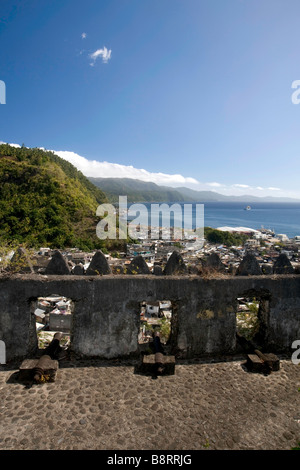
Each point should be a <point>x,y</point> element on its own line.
<point>264,244</point>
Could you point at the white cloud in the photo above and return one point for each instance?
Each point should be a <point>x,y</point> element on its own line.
<point>114,170</point>
<point>214,185</point>
<point>242,189</point>
<point>12,145</point>
<point>104,53</point>
<point>241,185</point>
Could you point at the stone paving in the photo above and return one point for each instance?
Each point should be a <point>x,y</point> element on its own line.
<point>108,405</point>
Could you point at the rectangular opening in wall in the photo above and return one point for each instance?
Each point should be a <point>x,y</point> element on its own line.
<point>247,320</point>
<point>155,316</point>
<point>252,316</point>
<point>52,314</point>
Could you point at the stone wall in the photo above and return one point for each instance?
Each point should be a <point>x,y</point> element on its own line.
<point>106,315</point>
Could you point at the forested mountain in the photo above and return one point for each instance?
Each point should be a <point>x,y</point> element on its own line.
<point>136,190</point>
<point>142,191</point>
<point>46,201</point>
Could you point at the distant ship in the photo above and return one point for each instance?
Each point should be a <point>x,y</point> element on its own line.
<point>247,208</point>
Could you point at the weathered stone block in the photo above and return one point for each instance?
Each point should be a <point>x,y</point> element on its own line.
<point>283,265</point>
<point>175,265</point>
<point>271,360</point>
<point>248,266</point>
<point>263,362</point>
<point>98,265</point>
<point>57,265</point>
<point>254,363</point>
<point>214,262</point>
<point>27,368</point>
<point>149,362</point>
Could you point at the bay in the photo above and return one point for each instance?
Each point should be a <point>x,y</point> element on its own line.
<point>282,218</point>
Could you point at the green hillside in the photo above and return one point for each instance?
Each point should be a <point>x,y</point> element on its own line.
<point>46,201</point>
<point>137,191</point>
<point>142,191</point>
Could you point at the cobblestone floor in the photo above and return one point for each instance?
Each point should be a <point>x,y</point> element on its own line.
<point>107,405</point>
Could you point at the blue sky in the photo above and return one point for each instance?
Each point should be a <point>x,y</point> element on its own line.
<point>179,92</point>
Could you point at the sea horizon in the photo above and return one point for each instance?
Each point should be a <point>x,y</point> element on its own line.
<point>279,217</point>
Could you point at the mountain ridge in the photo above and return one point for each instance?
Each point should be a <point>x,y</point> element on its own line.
<point>141,191</point>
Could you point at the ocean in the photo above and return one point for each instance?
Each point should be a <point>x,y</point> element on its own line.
<point>279,217</point>
<point>282,218</point>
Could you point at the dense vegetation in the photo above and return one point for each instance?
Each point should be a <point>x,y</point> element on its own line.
<point>137,191</point>
<point>46,201</point>
<point>224,238</point>
<point>145,191</point>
